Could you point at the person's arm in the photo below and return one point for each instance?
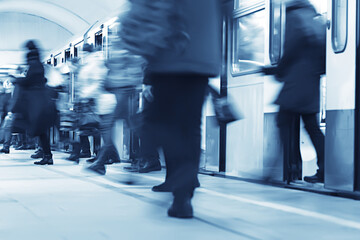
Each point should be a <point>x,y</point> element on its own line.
<point>295,36</point>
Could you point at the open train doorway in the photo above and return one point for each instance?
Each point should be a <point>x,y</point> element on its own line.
<point>98,40</point>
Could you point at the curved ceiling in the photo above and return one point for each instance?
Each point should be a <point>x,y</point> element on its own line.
<point>39,18</point>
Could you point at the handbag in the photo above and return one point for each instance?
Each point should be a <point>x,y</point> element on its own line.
<point>150,26</point>
<point>224,111</point>
<point>89,121</point>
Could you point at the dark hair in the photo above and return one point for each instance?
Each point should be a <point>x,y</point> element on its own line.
<point>31,45</point>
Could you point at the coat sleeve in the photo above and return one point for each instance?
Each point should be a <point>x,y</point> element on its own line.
<point>295,36</point>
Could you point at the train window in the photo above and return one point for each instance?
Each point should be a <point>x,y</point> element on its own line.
<point>55,62</point>
<point>75,52</point>
<point>248,42</point>
<point>98,39</point>
<point>275,31</point>
<point>340,25</point>
<point>67,54</point>
<point>245,3</point>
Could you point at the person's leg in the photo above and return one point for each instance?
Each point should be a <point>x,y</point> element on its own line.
<point>97,143</point>
<point>148,148</point>
<point>179,100</point>
<point>108,150</point>
<point>85,147</point>
<point>318,139</point>
<point>286,122</point>
<point>45,144</point>
<point>7,141</point>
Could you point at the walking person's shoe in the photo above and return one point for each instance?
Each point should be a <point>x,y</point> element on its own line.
<point>163,187</point>
<point>91,160</point>
<point>85,155</point>
<point>38,154</point>
<point>317,178</point>
<point>5,150</point>
<point>134,167</point>
<point>47,160</point>
<point>21,147</point>
<point>97,168</point>
<point>150,166</point>
<point>74,156</point>
<point>181,208</point>
<point>113,157</point>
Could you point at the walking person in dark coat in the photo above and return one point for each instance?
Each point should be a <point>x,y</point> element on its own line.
<point>34,102</point>
<point>179,84</point>
<point>299,69</point>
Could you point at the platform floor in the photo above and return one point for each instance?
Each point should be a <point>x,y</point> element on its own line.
<point>63,202</point>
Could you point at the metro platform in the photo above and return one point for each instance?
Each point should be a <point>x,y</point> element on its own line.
<point>66,202</point>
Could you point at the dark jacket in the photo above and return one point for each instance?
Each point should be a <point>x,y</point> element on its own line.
<point>299,67</point>
<point>33,101</point>
<point>202,54</point>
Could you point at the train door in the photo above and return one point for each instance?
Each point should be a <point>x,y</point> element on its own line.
<point>244,139</point>
<point>340,148</point>
<point>357,119</point>
<point>99,40</point>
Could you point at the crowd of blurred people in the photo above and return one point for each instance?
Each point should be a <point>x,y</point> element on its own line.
<point>158,97</point>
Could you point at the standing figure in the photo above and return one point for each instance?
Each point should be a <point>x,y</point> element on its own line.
<point>34,102</point>
<point>299,69</point>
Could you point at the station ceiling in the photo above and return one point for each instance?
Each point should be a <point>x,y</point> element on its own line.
<point>51,22</point>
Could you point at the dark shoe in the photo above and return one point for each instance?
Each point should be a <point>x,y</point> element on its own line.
<point>47,160</point>
<point>73,157</point>
<point>85,155</point>
<point>91,160</point>
<point>21,147</point>
<point>164,187</point>
<point>37,154</point>
<point>181,209</point>
<point>5,150</point>
<point>150,167</point>
<point>113,158</point>
<point>111,161</point>
<point>317,178</point>
<point>30,146</point>
<point>97,168</point>
<point>132,169</point>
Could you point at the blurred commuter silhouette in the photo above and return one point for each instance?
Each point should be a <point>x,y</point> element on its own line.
<point>87,80</point>
<point>33,102</point>
<point>6,114</point>
<point>122,81</point>
<point>299,69</point>
<point>182,54</point>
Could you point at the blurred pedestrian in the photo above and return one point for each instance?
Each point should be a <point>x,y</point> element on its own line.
<point>178,72</point>
<point>34,102</point>
<point>122,81</point>
<point>89,74</point>
<point>299,69</point>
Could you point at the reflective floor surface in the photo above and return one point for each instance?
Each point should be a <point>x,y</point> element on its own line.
<point>63,202</point>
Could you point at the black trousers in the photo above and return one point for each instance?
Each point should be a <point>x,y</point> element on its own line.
<point>288,123</point>
<point>108,150</point>
<point>45,143</point>
<point>173,122</point>
<point>148,150</point>
<point>85,144</point>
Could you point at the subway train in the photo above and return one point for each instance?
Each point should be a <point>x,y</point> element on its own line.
<point>253,36</point>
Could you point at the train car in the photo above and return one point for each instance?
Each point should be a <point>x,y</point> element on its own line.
<point>253,36</point>
<point>250,148</point>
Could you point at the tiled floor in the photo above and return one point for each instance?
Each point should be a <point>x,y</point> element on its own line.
<point>65,202</point>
